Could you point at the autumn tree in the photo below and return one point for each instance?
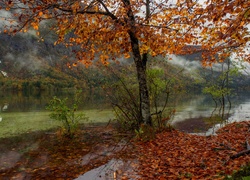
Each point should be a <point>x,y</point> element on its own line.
<point>104,30</point>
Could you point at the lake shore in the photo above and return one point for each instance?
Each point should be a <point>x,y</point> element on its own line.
<point>49,155</point>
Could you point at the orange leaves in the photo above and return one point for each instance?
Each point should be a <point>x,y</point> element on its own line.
<point>169,28</point>
<point>7,8</point>
<point>35,25</point>
<point>40,13</point>
<point>8,4</point>
<point>175,154</point>
<point>75,40</point>
<point>127,55</point>
<point>229,8</point>
<point>104,59</point>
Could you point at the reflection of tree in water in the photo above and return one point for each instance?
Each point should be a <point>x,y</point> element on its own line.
<point>21,101</point>
<point>220,88</point>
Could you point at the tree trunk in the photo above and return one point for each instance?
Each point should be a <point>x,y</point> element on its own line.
<point>143,91</point>
<point>141,64</point>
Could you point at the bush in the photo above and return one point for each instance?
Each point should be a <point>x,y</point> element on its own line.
<point>67,115</point>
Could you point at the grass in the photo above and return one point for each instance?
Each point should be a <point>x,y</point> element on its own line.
<point>14,123</point>
<point>19,122</point>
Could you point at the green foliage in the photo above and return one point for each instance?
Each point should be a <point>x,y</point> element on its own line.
<point>242,174</point>
<point>67,115</point>
<point>145,133</point>
<point>219,85</point>
<point>216,91</point>
<point>156,83</point>
<point>162,85</point>
<point>126,102</point>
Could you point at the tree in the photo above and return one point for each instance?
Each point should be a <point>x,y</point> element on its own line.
<point>219,84</point>
<point>109,29</point>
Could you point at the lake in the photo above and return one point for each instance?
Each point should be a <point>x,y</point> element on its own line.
<point>22,112</point>
<point>194,115</point>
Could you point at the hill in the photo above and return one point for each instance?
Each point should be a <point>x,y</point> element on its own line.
<point>26,61</point>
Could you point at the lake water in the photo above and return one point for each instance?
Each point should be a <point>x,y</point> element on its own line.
<point>21,112</point>
<point>197,111</point>
<point>26,112</point>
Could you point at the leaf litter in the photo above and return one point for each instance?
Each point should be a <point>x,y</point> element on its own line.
<point>171,155</point>
<point>177,155</point>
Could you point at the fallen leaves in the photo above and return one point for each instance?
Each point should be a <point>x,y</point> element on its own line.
<point>172,155</point>
<point>177,155</point>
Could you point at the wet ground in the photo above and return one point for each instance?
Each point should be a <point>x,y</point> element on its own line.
<point>95,153</point>
<point>99,151</point>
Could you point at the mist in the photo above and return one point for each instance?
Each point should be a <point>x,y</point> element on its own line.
<point>28,60</point>
<point>192,65</point>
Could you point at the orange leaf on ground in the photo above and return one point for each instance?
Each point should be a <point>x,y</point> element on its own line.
<point>175,154</point>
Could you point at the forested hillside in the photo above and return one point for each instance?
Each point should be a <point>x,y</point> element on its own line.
<point>27,61</point>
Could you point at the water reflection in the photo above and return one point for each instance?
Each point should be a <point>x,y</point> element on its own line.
<point>192,111</point>
<point>113,170</point>
<point>9,159</point>
<point>239,113</point>
<point>199,116</point>
<point>197,106</point>
<point>37,100</point>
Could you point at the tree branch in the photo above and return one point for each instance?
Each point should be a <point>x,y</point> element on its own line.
<point>86,11</point>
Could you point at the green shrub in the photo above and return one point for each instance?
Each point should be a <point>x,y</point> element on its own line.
<point>242,174</point>
<point>67,115</point>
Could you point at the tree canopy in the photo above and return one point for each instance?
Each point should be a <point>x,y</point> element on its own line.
<point>110,29</point>
<point>103,27</point>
